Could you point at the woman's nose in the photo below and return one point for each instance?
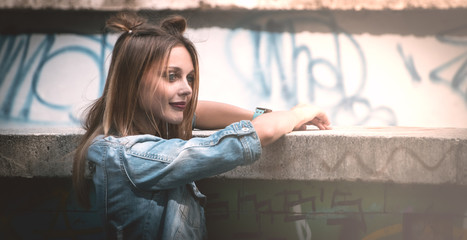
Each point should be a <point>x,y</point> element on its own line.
<point>185,88</point>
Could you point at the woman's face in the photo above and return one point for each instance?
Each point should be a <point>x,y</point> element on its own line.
<point>174,90</point>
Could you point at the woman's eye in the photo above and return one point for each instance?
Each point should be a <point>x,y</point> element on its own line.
<point>190,78</point>
<point>172,76</point>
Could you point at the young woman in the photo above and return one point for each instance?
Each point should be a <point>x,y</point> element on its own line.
<point>138,144</point>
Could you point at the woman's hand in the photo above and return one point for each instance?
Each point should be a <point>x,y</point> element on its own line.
<point>305,112</point>
<point>272,126</point>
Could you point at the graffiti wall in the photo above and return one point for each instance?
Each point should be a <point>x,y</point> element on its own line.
<point>267,60</point>
<point>272,60</point>
<point>260,210</point>
<point>248,209</point>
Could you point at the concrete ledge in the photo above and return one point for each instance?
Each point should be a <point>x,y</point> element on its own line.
<point>37,152</point>
<point>388,154</point>
<point>106,5</point>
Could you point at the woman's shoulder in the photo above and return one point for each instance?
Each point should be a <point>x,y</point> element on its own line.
<point>125,140</point>
<point>143,141</point>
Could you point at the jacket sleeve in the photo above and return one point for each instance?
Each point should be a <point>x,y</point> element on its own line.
<point>152,163</point>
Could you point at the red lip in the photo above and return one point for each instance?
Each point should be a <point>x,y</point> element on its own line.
<point>178,105</point>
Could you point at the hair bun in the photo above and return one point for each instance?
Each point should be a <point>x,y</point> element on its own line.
<point>174,25</point>
<point>126,22</point>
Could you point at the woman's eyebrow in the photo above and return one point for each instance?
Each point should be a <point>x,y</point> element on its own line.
<point>174,68</point>
<point>177,69</point>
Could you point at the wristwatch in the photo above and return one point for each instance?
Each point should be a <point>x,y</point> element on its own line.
<point>259,111</point>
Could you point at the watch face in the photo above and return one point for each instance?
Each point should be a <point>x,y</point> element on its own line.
<point>263,110</point>
<point>259,111</point>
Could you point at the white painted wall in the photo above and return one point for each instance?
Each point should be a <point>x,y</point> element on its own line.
<point>359,79</point>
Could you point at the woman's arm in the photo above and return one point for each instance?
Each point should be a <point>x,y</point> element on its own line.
<point>215,115</point>
<point>272,126</point>
<point>269,127</point>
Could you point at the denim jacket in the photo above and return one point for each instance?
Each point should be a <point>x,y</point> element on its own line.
<point>145,184</point>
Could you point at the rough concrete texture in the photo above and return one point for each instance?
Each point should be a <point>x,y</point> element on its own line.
<point>234,4</point>
<point>37,153</point>
<point>388,154</point>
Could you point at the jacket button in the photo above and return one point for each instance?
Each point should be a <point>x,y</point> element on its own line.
<point>245,129</point>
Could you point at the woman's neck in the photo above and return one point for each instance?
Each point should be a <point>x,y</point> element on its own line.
<point>144,125</point>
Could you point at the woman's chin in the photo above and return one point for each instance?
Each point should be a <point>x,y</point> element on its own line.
<point>175,120</point>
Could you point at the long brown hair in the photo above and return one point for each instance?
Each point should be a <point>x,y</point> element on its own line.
<point>141,49</point>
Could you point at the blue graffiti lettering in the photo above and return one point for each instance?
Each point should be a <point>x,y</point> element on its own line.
<point>31,60</point>
<point>409,64</point>
<point>271,63</point>
<point>460,76</point>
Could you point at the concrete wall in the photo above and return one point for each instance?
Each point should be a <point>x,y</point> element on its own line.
<point>389,154</point>
<point>45,208</point>
<point>349,183</point>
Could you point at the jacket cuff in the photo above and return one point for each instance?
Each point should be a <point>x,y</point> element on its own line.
<point>249,140</point>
